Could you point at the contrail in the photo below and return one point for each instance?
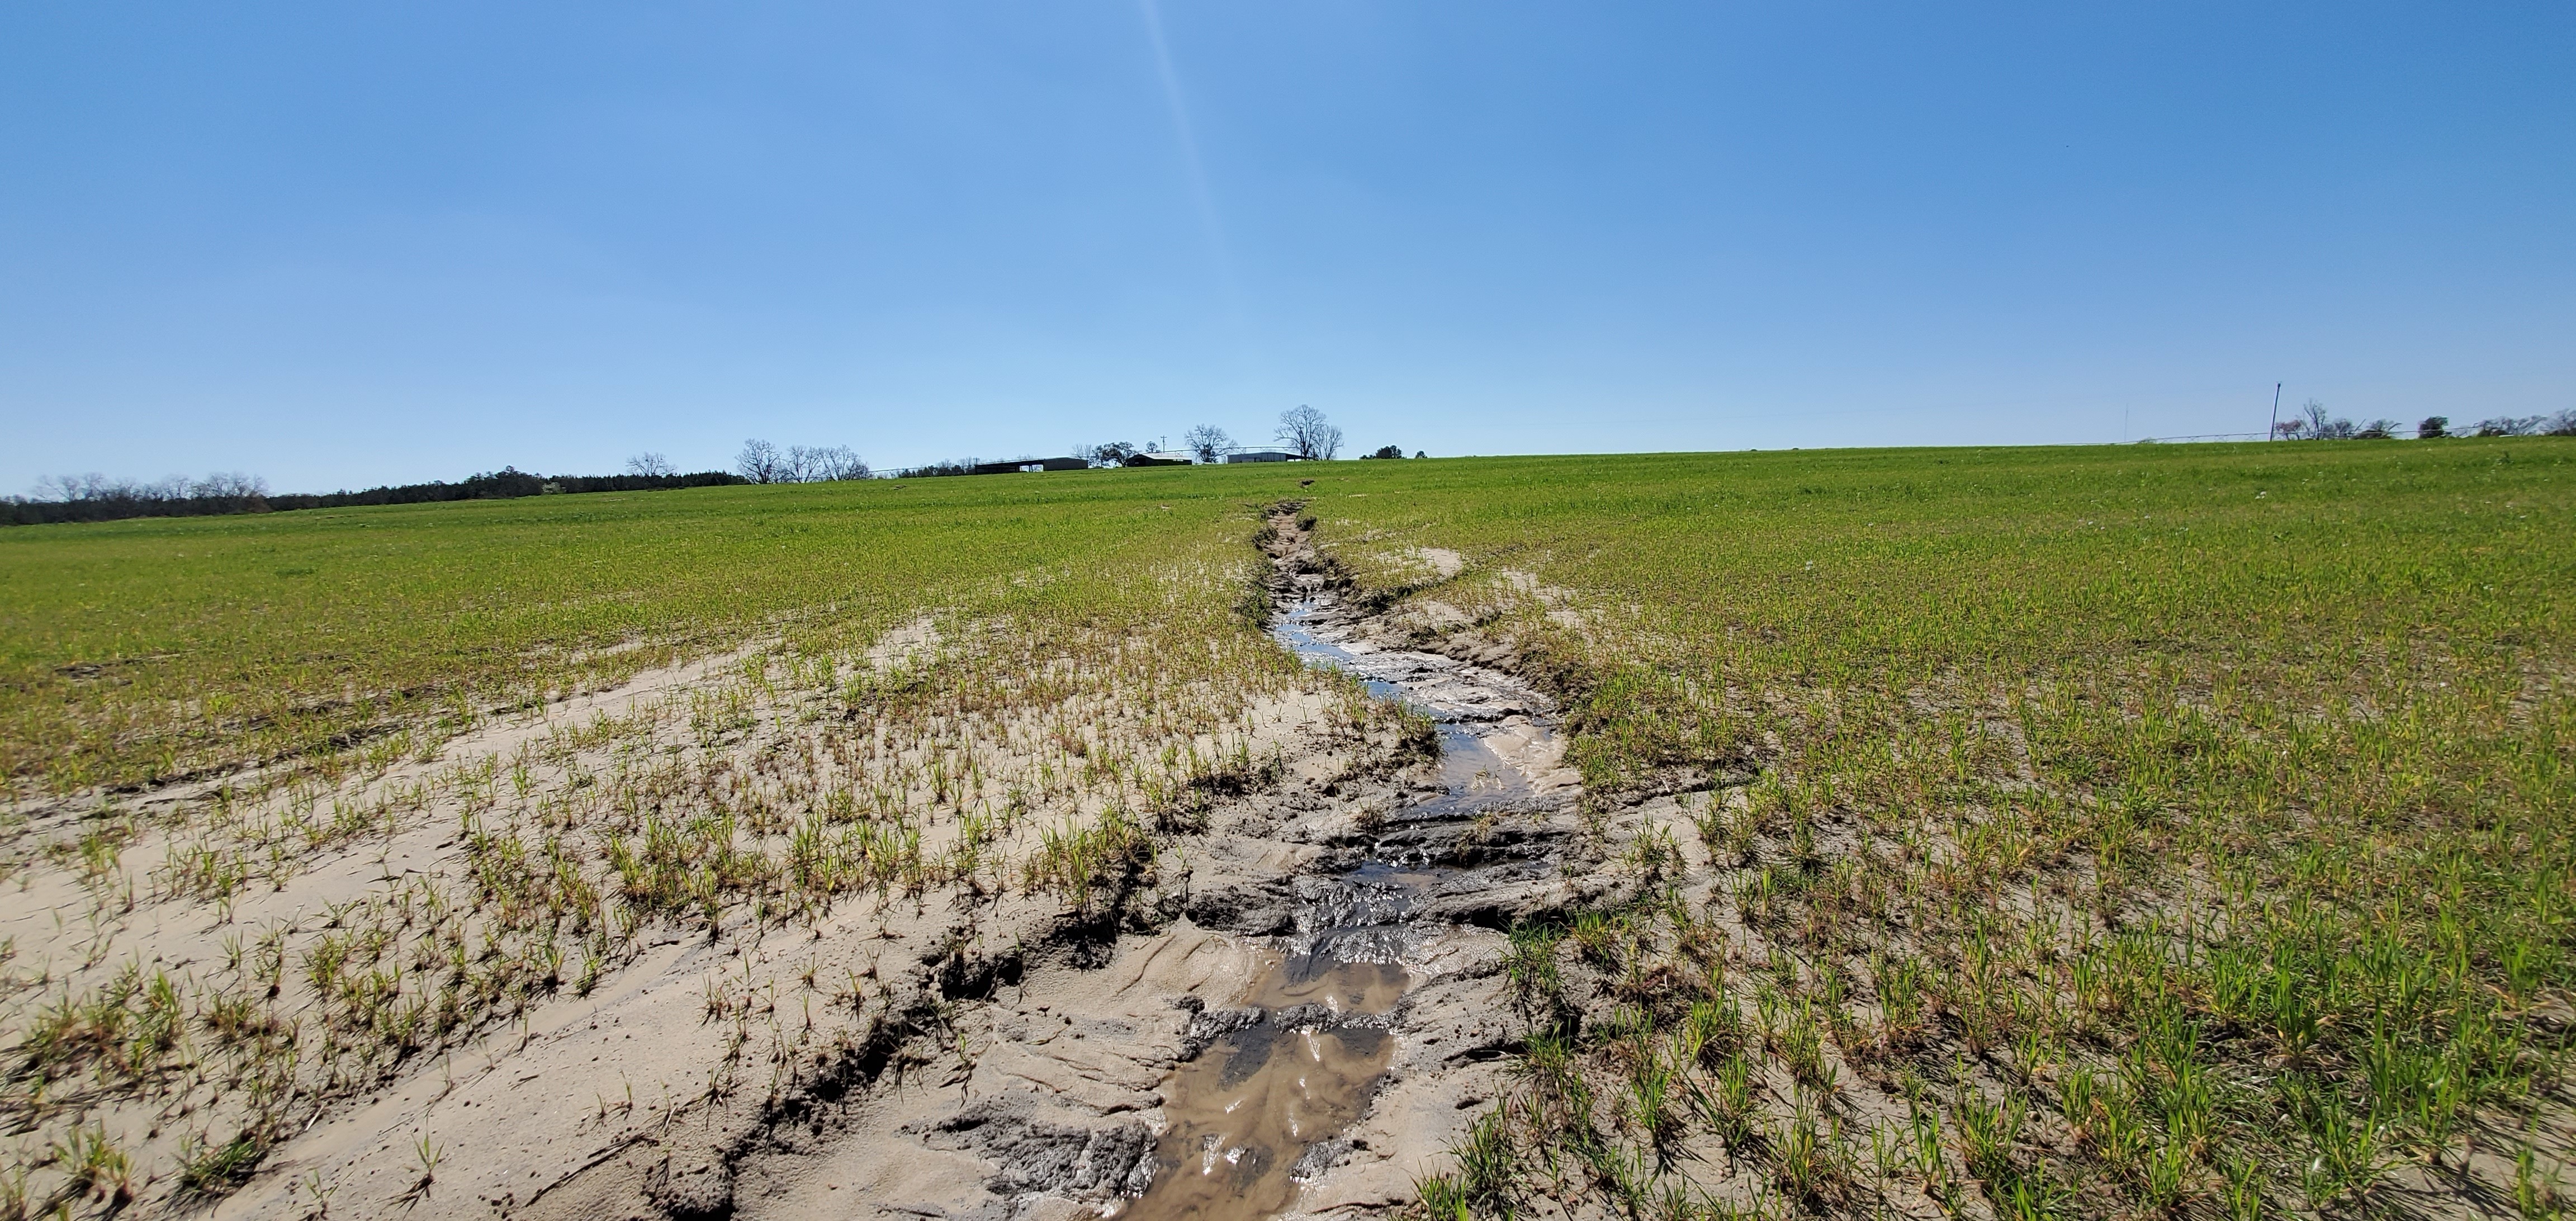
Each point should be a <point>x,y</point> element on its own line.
<point>1199,191</point>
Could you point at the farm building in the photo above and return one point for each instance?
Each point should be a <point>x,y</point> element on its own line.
<point>1031,465</point>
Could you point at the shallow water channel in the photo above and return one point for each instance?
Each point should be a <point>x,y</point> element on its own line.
<point>1263,1107</point>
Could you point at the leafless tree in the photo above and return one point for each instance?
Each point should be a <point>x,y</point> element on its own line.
<point>220,492</point>
<point>1207,442</point>
<point>229,485</point>
<point>827,463</point>
<point>760,462</point>
<point>1306,433</point>
<point>232,491</point>
<point>803,462</point>
<point>97,487</point>
<point>2322,427</point>
<point>650,466</point>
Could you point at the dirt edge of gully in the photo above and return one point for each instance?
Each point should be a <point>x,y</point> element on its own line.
<point>1025,1071</point>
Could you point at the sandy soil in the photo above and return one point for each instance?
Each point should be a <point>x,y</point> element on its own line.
<point>957,1053</point>
<point>1057,1082</point>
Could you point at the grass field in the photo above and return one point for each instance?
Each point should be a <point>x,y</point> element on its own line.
<point>2137,831</point>
<point>140,650</point>
<point>2163,825</point>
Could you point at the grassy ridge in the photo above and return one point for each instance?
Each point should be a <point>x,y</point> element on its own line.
<point>136,650</point>
<point>2164,827</point>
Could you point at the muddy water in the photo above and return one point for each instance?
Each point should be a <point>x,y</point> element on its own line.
<point>1261,1110</point>
<point>1245,1114</point>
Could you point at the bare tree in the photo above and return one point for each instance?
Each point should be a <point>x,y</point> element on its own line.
<point>760,462</point>
<point>2322,427</point>
<point>97,487</point>
<point>1207,442</point>
<point>810,464</point>
<point>1306,433</point>
<point>229,485</point>
<point>802,462</point>
<point>651,466</point>
<point>829,463</point>
<point>177,495</point>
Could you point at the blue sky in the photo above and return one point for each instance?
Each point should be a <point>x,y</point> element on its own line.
<point>344,244</point>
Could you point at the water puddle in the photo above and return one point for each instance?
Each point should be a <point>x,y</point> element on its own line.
<point>1296,628</point>
<point>1263,1108</point>
<point>1256,1113</point>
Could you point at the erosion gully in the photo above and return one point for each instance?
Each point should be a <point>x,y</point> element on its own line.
<point>1282,1076</point>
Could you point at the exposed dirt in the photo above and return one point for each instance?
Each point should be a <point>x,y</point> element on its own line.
<point>1305,1028</point>
<point>1296,1010</point>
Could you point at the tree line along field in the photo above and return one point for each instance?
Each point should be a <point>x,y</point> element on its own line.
<point>2141,831</point>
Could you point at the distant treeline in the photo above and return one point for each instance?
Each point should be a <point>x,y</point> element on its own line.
<point>2312,423</point>
<point>99,498</point>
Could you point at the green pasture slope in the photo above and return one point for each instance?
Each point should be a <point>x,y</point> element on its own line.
<point>2165,823</point>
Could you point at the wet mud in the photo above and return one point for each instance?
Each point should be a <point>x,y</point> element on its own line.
<point>1257,1113</point>
<point>1268,1104</point>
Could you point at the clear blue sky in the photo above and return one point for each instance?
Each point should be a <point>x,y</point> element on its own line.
<point>341,244</point>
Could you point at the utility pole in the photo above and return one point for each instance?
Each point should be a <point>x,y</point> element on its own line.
<point>2275,434</point>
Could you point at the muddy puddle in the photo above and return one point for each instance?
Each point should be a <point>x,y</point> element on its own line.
<point>1257,1113</point>
<point>1264,1106</point>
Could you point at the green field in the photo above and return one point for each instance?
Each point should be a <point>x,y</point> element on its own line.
<point>140,650</point>
<point>2167,829</point>
<point>2163,824</point>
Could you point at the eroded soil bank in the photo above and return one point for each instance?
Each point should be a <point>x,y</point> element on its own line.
<point>1305,1026</point>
